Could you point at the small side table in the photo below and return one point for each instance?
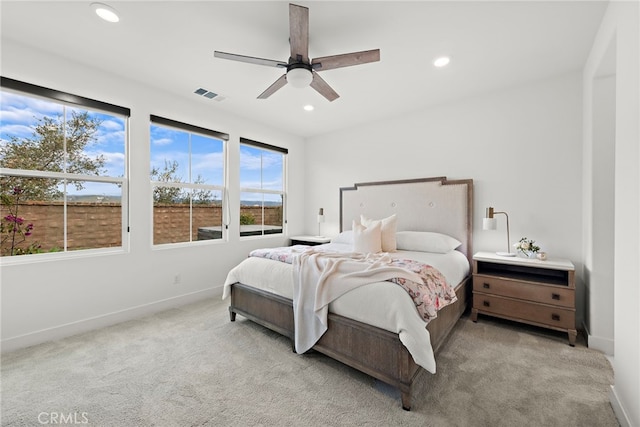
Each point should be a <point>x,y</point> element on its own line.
<point>309,240</point>
<point>540,293</point>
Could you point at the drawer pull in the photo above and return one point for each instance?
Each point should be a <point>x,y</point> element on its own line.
<point>486,285</point>
<point>555,317</point>
<point>555,296</point>
<point>486,303</point>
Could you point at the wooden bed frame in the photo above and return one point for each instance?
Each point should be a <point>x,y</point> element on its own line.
<point>428,204</point>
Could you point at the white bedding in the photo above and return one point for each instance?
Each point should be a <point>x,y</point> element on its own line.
<point>381,304</point>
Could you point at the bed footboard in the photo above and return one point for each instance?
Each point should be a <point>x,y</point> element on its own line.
<point>264,308</point>
<point>374,351</point>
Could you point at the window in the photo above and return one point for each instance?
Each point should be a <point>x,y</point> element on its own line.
<point>187,177</point>
<point>262,184</point>
<point>63,171</point>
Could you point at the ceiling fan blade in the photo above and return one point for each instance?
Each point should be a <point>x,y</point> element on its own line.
<point>299,33</point>
<point>345,60</point>
<point>250,59</point>
<point>323,88</point>
<point>274,87</point>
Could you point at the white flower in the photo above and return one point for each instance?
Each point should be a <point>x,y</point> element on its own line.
<point>525,245</point>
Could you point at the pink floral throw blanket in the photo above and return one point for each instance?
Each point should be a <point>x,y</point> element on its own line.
<point>430,294</point>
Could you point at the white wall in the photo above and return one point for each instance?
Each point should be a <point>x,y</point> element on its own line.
<point>620,28</point>
<point>46,300</point>
<point>522,147</point>
<point>599,215</point>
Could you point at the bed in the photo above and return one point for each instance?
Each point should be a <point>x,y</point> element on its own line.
<point>359,340</point>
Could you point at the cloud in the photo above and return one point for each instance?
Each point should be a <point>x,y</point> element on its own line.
<point>211,161</point>
<point>161,141</point>
<point>114,161</point>
<point>113,139</point>
<point>210,167</point>
<point>17,130</point>
<point>34,106</point>
<point>112,125</point>
<point>13,115</point>
<point>164,136</point>
<point>114,158</point>
<point>260,160</point>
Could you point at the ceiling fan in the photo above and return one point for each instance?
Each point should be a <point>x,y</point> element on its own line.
<point>301,70</point>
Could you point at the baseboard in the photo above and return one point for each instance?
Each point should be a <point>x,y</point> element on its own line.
<point>604,345</point>
<point>618,409</point>
<point>74,328</point>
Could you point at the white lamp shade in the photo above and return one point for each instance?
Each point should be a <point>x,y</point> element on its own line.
<point>299,77</point>
<point>489,223</point>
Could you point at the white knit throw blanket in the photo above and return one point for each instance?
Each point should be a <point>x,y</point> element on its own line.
<point>321,277</point>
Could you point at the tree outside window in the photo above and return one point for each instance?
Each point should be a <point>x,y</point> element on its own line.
<point>187,177</point>
<point>62,175</point>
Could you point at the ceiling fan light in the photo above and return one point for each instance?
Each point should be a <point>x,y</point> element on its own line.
<point>299,77</point>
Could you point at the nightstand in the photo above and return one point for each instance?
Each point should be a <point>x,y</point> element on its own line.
<point>540,293</point>
<point>309,240</point>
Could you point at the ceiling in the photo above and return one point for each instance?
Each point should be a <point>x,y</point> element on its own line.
<point>169,45</point>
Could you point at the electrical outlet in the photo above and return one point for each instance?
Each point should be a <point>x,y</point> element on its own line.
<point>177,279</point>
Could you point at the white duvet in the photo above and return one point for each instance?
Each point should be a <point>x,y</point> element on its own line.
<point>381,304</point>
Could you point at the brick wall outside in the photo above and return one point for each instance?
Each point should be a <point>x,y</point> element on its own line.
<point>99,225</point>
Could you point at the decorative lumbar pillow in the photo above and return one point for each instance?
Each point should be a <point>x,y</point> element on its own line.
<point>388,228</point>
<point>344,237</point>
<point>426,241</point>
<point>366,239</point>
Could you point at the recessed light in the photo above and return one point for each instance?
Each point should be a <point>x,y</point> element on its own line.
<point>105,12</point>
<point>442,61</point>
<point>308,108</point>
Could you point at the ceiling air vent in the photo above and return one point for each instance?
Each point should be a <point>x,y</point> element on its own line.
<point>208,94</point>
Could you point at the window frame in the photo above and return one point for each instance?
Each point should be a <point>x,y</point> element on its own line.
<point>201,131</point>
<point>282,193</point>
<point>66,99</point>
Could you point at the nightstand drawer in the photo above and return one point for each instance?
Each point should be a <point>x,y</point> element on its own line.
<point>546,294</point>
<point>532,312</point>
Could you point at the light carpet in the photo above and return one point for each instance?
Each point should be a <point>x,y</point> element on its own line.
<point>191,366</point>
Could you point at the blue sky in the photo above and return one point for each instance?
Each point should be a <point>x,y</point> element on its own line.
<point>19,116</point>
<point>206,160</point>
<point>258,168</point>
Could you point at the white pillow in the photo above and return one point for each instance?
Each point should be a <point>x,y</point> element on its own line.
<point>426,241</point>
<point>366,239</point>
<point>388,227</point>
<point>344,237</point>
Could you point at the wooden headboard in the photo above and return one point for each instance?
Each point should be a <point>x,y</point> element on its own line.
<point>425,204</point>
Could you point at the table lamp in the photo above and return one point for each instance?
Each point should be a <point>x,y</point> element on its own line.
<point>490,223</point>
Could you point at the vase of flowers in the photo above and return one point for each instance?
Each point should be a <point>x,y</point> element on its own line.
<point>527,248</point>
